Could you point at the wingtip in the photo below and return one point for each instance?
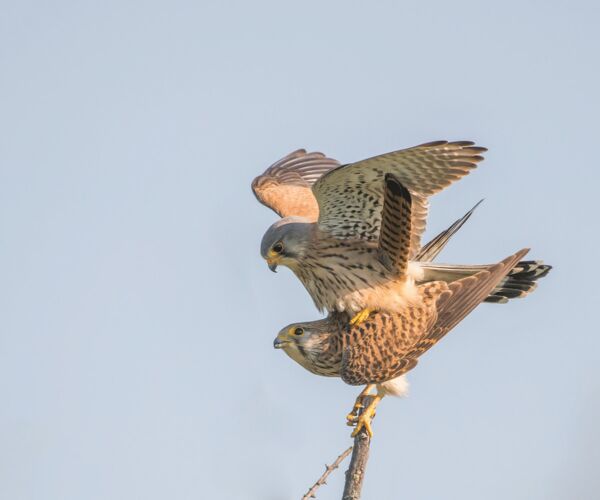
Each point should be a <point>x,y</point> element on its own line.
<point>470,212</point>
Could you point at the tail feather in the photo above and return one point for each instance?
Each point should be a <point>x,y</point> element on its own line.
<point>519,282</point>
<point>466,293</point>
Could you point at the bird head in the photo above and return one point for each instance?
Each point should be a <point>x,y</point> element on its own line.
<point>286,242</point>
<point>303,341</point>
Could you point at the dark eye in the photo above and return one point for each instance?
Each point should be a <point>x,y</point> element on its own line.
<point>278,247</point>
<point>298,331</point>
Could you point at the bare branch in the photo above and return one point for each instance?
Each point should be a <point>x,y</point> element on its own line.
<point>358,463</point>
<point>328,470</point>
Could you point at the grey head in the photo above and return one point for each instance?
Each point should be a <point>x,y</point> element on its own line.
<point>286,242</point>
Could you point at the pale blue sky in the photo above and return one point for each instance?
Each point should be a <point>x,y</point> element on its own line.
<point>137,318</point>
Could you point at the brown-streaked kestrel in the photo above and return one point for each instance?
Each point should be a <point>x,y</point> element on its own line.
<point>379,351</point>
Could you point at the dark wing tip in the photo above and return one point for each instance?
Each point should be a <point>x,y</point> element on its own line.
<point>476,205</point>
<point>432,144</point>
<point>467,146</point>
<point>396,187</point>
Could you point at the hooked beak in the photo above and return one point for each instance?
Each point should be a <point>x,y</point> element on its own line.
<point>278,343</point>
<point>272,265</point>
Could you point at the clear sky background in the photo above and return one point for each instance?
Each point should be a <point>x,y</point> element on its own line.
<point>137,317</point>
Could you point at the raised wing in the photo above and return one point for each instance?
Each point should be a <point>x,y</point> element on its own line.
<point>350,197</point>
<point>395,234</point>
<point>285,186</point>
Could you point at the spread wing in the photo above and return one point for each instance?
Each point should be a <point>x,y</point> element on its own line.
<point>389,347</point>
<point>350,197</point>
<point>285,186</point>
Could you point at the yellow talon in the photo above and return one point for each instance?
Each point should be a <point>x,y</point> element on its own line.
<point>361,316</point>
<point>358,404</point>
<point>353,415</point>
<point>355,411</point>
<point>366,416</point>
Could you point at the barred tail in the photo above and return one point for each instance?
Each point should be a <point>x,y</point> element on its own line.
<point>519,282</point>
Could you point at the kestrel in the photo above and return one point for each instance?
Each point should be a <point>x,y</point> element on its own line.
<point>378,352</point>
<point>351,233</point>
<point>331,232</point>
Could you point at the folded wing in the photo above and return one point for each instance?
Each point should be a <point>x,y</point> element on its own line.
<point>390,345</point>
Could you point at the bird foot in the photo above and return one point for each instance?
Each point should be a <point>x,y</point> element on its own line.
<point>362,419</point>
<point>359,404</point>
<point>355,411</point>
<point>361,316</point>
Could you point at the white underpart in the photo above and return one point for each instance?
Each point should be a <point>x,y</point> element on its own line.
<point>391,296</point>
<point>415,271</point>
<point>396,387</point>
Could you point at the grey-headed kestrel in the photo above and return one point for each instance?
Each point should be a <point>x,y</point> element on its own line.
<point>341,224</point>
<point>378,352</point>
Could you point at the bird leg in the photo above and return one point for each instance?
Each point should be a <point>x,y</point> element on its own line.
<point>361,316</point>
<point>365,417</point>
<point>358,404</point>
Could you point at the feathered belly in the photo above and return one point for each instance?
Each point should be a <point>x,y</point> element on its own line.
<point>351,288</point>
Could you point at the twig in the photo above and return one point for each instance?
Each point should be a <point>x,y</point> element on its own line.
<point>328,470</point>
<point>358,463</point>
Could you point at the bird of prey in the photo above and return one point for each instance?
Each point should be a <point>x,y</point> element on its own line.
<point>378,352</point>
<point>336,234</point>
<point>351,233</point>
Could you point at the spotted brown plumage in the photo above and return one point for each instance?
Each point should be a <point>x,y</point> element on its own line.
<point>390,345</point>
<point>332,347</point>
<point>350,197</point>
<point>383,348</point>
<point>379,349</point>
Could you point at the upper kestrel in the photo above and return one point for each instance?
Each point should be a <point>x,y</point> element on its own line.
<point>352,233</point>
